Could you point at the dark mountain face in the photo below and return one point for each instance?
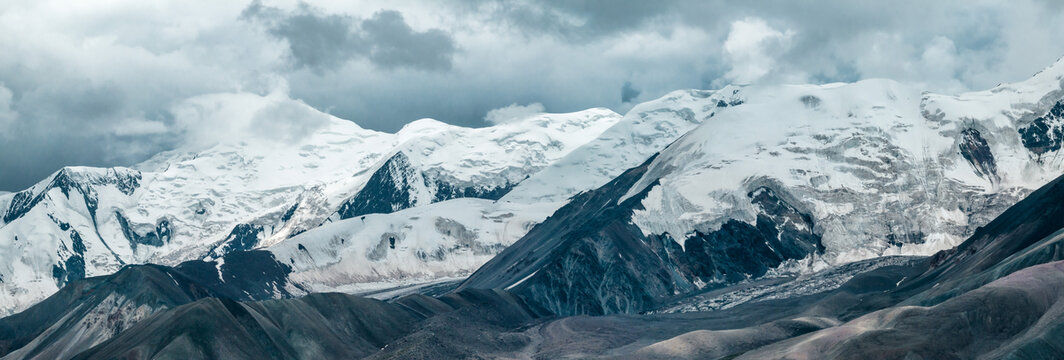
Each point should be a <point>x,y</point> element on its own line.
<point>389,189</point>
<point>989,297</point>
<point>976,150</point>
<point>589,258</point>
<point>71,182</point>
<point>396,185</point>
<point>208,310</point>
<point>1021,236</point>
<point>88,311</point>
<point>1045,133</point>
<point>317,326</point>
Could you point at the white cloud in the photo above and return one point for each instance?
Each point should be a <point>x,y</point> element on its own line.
<point>207,120</point>
<point>751,49</point>
<point>940,66</point>
<point>7,115</point>
<point>514,112</point>
<point>136,126</point>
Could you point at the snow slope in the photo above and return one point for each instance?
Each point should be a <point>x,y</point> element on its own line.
<point>881,167</point>
<point>646,129</point>
<point>449,239</point>
<point>452,238</point>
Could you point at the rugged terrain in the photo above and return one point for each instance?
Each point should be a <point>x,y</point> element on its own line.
<point>995,295</point>
<point>837,221</point>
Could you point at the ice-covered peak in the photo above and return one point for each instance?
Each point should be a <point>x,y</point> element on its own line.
<point>645,129</point>
<point>87,176</point>
<point>512,150</point>
<point>1006,105</point>
<point>868,162</point>
<point>253,171</point>
<point>424,127</point>
<point>1049,78</point>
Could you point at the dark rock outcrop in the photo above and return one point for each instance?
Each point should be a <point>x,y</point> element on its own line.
<point>396,185</point>
<point>1046,133</point>
<point>71,181</point>
<point>243,237</point>
<point>88,311</point>
<point>389,189</point>
<point>975,149</point>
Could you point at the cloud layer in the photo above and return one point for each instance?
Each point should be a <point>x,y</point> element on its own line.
<point>325,42</point>
<point>103,83</point>
<point>514,112</point>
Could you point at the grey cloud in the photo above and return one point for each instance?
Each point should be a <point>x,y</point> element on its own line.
<point>832,41</point>
<point>8,116</point>
<point>98,88</point>
<point>395,44</point>
<point>321,41</point>
<point>79,100</point>
<point>629,93</point>
<point>832,35</point>
<point>69,124</point>
<point>579,20</point>
<point>316,40</point>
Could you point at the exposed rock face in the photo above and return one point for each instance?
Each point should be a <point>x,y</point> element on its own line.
<point>975,149</point>
<point>445,190</point>
<point>243,237</point>
<point>157,237</point>
<point>89,311</point>
<point>72,181</point>
<point>243,275</point>
<point>392,187</point>
<point>1046,133</point>
<point>738,250</point>
<point>398,184</point>
<point>152,311</point>
<point>588,258</point>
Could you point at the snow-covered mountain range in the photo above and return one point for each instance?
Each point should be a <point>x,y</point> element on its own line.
<point>248,193</point>
<point>843,171</point>
<point>365,186</point>
<point>797,178</point>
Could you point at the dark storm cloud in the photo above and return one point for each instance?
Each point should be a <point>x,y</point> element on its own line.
<point>58,124</point>
<point>81,100</point>
<point>316,40</point>
<point>629,93</point>
<point>323,41</point>
<point>394,44</point>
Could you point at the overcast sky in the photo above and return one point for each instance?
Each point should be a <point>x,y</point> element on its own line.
<point>97,82</point>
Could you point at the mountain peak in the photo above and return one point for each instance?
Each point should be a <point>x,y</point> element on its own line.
<point>425,126</point>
